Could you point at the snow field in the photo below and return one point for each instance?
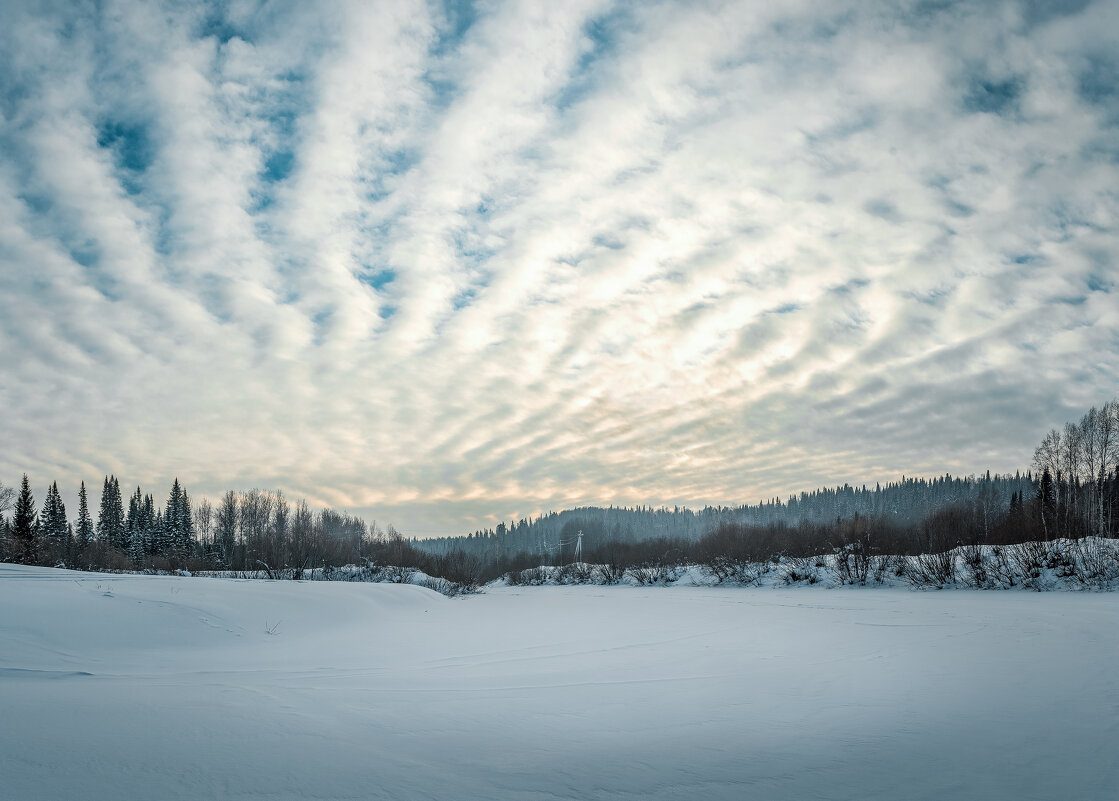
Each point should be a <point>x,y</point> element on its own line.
<point>144,687</point>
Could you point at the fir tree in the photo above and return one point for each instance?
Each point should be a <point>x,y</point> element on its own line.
<point>25,526</point>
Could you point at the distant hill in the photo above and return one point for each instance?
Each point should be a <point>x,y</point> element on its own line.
<point>907,501</point>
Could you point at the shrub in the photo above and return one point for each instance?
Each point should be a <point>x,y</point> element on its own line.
<point>799,569</point>
<point>610,573</point>
<point>850,563</point>
<point>932,570</point>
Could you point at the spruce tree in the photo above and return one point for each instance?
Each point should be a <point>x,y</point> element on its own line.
<point>171,515</point>
<point>68,546</point>
<point>25,526</point>
<point>47,517</point>
<point>150,533</point>
<point>177,521</point>
<point>110,521</point>
<point>185,525</point>
<point>118,509</point>
<point>105,514</point>
<point>54,524</point>
<point>85,522</point>
<point>159,532</point>
<point>133,525</point>
<point>136,547</point>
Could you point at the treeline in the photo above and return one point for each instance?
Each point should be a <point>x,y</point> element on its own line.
<point>144,535</point>
<point>1077,466</point>
<point>900,505</point>
<point>1073,494</point>
<point>244,531</point>
<point>253,532</point>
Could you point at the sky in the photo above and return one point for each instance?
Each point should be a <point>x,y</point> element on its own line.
<point>445,264</point>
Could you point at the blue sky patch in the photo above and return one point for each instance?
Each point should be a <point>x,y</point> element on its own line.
<point>602,33</point>
<point>278,166</point>
<point>130,143</point>
<point>378,279</point>
<point>993,97</point>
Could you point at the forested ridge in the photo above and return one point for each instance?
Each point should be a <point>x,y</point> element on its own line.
<point>905,502</point>
<point>1070,491</point>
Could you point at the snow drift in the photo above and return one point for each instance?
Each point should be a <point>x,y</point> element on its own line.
<point>142,687</point>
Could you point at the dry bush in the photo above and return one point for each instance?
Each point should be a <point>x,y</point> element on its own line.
<point>797,569</point>
<point>850,563</point>
<point>1033,561</point>
<point>529,577</point>
<point>1096,562</point>
<point>574,573</point>
<point>651,573</point>
<point>609,573</point>
<point>975,569</point>
<point>725,569</point>
<point>460,567</point>
<point>882,566</point>
<point>396,574</point>
<point>932,569</point>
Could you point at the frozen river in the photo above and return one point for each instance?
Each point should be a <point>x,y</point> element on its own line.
<point>136,687</point>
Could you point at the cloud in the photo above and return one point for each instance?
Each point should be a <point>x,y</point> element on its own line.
<point>444,264</point>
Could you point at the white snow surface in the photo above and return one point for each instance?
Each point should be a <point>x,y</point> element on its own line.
<point>163,687</point>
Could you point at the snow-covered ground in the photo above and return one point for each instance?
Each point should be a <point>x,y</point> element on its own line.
<point>143,687</point>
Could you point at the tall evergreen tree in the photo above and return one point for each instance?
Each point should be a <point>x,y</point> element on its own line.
<point>150,532</point>
<point>134,527</point>
<point>84,534</point>
<point>54,525</point>
<point>136,546</point>
<point>25,526</point>
<point>178,522</point>
<point>186,525</point>
<point>110,522</point>
<point>159,533</point>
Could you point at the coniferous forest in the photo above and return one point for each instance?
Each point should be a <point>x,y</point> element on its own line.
<point>1070,491</point>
